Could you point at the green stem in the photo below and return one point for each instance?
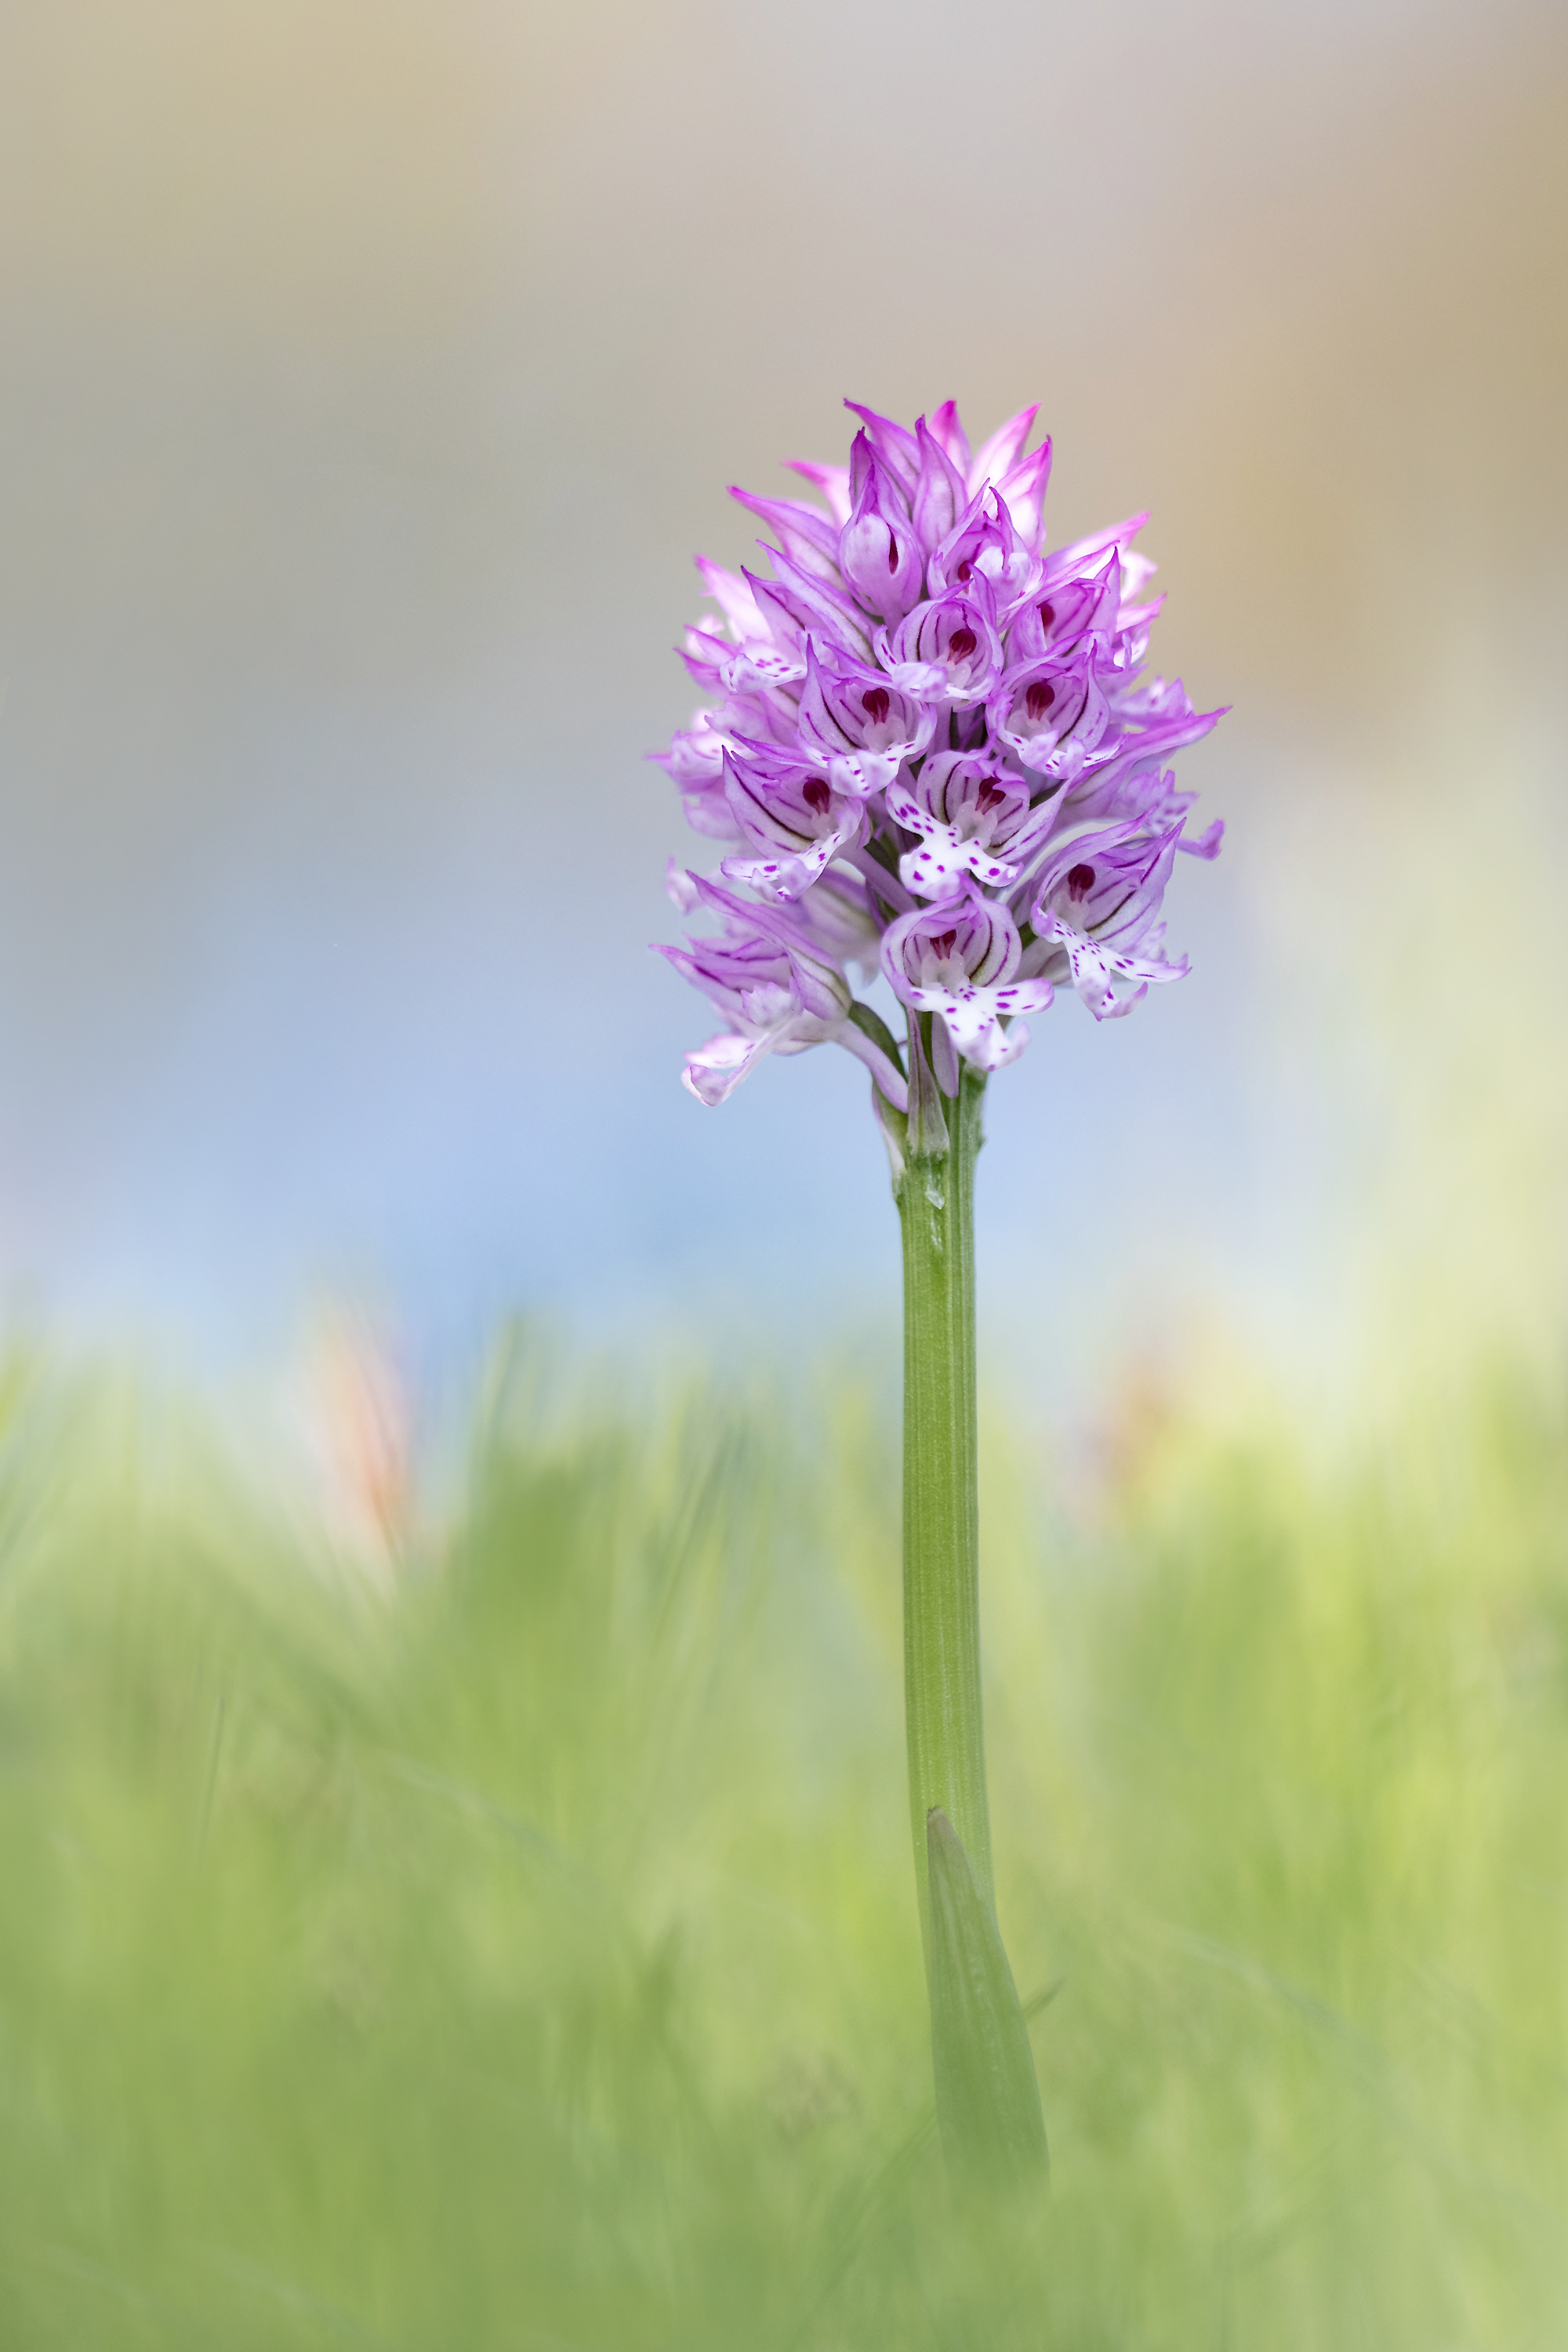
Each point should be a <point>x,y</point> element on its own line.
<point>935,1193</point>
<point>987,2099</point>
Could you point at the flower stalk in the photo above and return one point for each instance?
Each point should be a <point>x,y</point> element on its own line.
<point>988,2101</point>
<point>935,1196</point>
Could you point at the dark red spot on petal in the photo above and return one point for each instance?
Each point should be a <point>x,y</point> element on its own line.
<point>1039,697</point>
<point>1080,882</point>
<point>943,943</point>
<point>961,645</point>
<point>817,795</point>
<point>1048,614</point>
<point>876,702</point>
<point>892,553</point>
<point>988,797</point>
<point>965,568</point>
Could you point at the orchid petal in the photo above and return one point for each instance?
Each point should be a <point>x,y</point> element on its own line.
<point>947,427</point>
<point>894,443</point>
<point>1024,487</point>
<point>732,593</point>
<point>1002,452</point>
<point>833,481</point>
<point>713,1071</point>
<point>829,610</point>
<point>1068,561</point>
<point>940,495</point>
<point>809,539</point>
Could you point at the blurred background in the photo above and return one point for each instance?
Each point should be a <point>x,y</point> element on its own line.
<point>455,1893</point>
<point>372,371</point>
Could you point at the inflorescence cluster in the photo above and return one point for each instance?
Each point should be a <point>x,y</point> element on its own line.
<point>935,755</point>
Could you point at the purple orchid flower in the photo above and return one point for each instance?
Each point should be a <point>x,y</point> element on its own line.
<point>1052,714</point>
<point>796,823</point>
<point>958,960</point>
<point>879,556</point>
<point>982,541</point>
<point>973,818</point>
<point>948,648</point>
<point>931,755</point>
<point>859,725</point>
<point>1024,488</point>
<point>1055,619</point>
<point>1096,913</point>
<point>777,989</point>
<point>799,604</point>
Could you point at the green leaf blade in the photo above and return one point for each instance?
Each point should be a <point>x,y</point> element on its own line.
<point>987,2098</point>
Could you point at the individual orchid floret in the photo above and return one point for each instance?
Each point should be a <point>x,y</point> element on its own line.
<point>1070,562</point>
<point>707,655</point>
<point>1096,912</point>
<point>696,755</point>
<point>1056,619</point>
<point>879,556</point>
<point>982,541</point>
<point>957,960</point>
<point>756,651</point>
<point>1051,714</point>
<point>947,428</point>
<point>779,993</point>
<point>973,819</point>
<point>858,725</point>
<point>792,819</point>
<point>798,605</point>
<point>951,642</point>
<point>1138,736</point>
<point>731,592</point>
<point>695,761</point>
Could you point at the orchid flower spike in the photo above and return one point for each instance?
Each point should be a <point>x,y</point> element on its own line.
<point>932,764</point>
<point>932,750</point>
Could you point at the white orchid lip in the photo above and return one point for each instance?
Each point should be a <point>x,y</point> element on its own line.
<point>971,818</point>
<point>959,962</point>
<point>931,752</point>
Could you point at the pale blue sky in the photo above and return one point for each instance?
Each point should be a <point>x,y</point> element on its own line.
<point>366,393</point>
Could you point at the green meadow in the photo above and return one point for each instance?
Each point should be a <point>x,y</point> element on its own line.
<point>517,1953</point>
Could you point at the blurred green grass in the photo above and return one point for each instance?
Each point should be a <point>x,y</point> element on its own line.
<point>526,1958</point>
